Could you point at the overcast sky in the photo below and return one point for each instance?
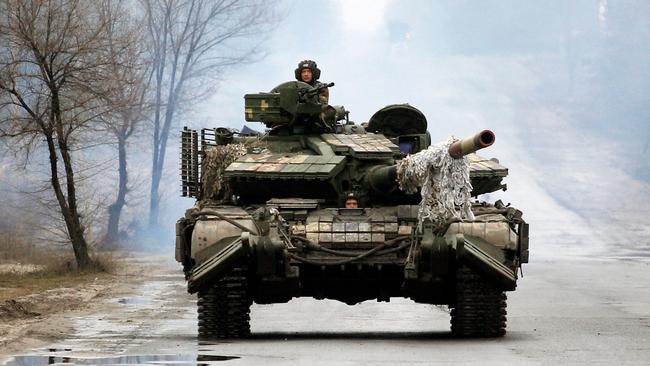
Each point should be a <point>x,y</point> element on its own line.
<point>456,59</point>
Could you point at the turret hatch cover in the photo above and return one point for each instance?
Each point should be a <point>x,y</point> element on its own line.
<point>398,119</point>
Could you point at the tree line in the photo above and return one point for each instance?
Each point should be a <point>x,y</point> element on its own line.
<point>76,75</point>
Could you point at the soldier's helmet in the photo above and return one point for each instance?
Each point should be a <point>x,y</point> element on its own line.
<point>307,64</point>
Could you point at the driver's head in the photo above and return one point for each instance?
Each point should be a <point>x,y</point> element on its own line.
<point>351,201</point>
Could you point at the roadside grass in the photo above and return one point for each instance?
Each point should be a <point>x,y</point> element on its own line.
<point>27,268</point>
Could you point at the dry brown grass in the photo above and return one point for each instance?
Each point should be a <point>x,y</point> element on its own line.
<point>27,268</point>
<point>15,246</point>
<point>59,272</point>
<point>21,250</point>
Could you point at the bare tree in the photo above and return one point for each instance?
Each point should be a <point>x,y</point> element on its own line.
<point>124,125</point>
<point>133,79</point>
<point>53,86</point>
<point>191,43</point>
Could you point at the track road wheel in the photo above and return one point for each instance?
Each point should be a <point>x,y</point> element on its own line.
<point>224,307</point>
<point>480,309</point>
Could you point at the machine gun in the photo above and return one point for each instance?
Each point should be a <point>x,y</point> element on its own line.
<point>306,94</point>
<point>293,104</point>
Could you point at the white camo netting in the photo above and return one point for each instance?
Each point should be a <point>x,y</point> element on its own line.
<point>446,186</point>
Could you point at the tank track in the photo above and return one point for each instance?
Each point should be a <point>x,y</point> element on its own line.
<point>224,307</point>
<point>480,309</point>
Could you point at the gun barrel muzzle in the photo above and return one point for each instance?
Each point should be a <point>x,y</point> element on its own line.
<point>468,145</point>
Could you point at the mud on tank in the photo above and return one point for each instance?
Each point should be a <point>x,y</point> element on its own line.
<point>269,225</point>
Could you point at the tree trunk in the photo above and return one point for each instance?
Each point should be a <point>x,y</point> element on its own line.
<point>162,134</point>
<point>154,198</point>
<point>154,202</point>
<point>79,244</point>
<point>115,209</point>
<point>69,210</point>
<point>71,218</point>
<point>73,222</point>
<point>156,175</point>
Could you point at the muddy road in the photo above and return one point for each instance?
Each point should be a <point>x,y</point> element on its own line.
<point>582,311</point>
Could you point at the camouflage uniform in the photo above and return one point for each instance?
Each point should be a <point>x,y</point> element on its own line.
<point>324,94</point>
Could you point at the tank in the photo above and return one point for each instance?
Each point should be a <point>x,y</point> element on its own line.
<point>319,206</point>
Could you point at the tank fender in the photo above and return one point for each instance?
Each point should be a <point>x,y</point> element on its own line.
<point>218,264</point>
<point>468,251</point>
<point>265,254</point>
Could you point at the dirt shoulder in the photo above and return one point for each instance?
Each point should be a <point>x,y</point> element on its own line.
<point>34,307</point>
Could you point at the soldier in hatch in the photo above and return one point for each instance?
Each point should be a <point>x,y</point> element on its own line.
<point>351,201</point>
<point>308,72</point>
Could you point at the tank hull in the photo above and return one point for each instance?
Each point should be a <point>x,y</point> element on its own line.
<point>327,260</point>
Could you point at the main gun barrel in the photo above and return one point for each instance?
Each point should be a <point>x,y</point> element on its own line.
<point>383,178</point>
<point>471,144</point>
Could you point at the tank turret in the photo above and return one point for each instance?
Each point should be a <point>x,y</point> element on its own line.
<point>271,223</point>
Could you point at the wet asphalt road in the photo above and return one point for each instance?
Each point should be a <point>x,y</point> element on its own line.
<point>593,312</point>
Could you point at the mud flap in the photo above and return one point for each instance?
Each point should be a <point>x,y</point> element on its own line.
<point>218,264</point>
<point>479,260</point>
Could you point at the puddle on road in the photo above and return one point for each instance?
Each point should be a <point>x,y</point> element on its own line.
<point>63,357</point>
<point>135,300</point>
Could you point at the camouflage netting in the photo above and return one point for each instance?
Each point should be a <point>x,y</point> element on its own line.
<point>446,186</point>
<point>214,163</point>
